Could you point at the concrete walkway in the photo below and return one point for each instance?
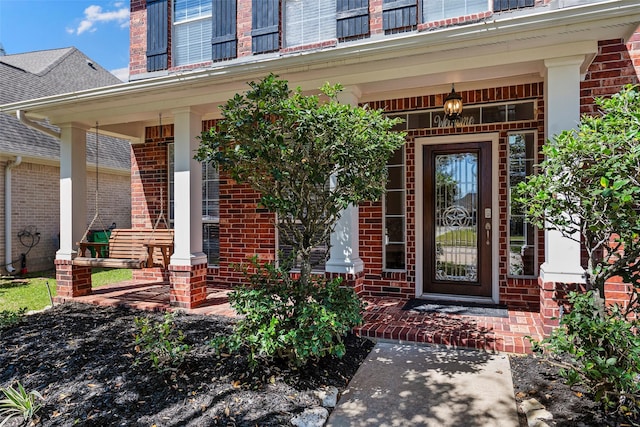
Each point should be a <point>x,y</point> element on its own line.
<point>421,385</point>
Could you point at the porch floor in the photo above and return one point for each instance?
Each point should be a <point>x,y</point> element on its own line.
<point>384,318</point>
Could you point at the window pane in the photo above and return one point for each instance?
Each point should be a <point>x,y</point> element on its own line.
<point>394,203</point>
<point>396,177</point>
<point>211,242</point>
<point>192,42</point>
<point>522,235</point>
<point>419,121</point>
<point>394,211</point>
<point>394,229</point>
<point>394,256</point>
<point>309,21</point>
<point>437,10</point>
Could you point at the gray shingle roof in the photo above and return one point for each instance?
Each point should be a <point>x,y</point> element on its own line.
<point>51,72</point>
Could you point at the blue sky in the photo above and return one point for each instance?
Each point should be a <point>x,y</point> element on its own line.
<point>100,29</point>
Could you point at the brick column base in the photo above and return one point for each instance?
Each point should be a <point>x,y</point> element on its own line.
<point>553,295</point>
<point>72,281</point>
<point>188,285</point>
<point>354,281</point>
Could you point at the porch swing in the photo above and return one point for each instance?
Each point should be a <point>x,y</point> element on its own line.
<point>126,248</point>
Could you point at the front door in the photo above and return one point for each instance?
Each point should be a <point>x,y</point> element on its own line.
<point>457,219</point>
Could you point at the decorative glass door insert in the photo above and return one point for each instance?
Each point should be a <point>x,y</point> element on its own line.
<point>457,220</point>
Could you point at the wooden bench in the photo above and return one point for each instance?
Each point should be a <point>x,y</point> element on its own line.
<point>129,248</point>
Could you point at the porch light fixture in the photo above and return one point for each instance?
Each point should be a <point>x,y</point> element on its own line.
<point>453,106</point>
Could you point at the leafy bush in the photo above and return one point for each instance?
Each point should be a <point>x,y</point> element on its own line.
<point>160,342</point>
<point>19,402</point>
<point>10,317</point>
<point>602,352</point>
<point>283,318</point>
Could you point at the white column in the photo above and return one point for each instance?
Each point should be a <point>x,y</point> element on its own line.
<point>187,190</point>
<point>562,112</point>
<point>344,255</point>
<point>73,188</point>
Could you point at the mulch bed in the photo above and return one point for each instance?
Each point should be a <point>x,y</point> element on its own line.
<point>81,358</point>
<point>534,377</point>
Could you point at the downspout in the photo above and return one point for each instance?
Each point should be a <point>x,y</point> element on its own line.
<point>7,213</point>
<point>22,116</point>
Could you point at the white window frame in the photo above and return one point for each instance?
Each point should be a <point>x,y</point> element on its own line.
<point>403,215</point>
<point>324,30</point>
<point>200,18</point>
<point>534,248</point>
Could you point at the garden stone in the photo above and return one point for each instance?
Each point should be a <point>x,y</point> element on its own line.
<point>312,417</point>
<point>536,413</point>
<point>328,396</point>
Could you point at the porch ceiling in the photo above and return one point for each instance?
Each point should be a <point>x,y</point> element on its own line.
<point>509,47</point>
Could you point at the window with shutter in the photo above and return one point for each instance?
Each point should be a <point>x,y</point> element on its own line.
<point>265,18</point>
<point>157,35</point>
<point>309,21</point>
<point>223,43</point>
<point>192,31</point>
<point>352,18</point>
<point>399,15</point>
<point>437,10</point>
<point>500,5</point>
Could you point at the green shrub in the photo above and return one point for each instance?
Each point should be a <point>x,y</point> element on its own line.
<point>160,342</point>
<point>602,352</point>
<point>10,317</point>
<point>282,318</point>
<point>19,402</point>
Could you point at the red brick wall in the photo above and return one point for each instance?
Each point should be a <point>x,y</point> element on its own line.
<point>522,293</point>
<point>149,178</point>
<point>138,37</point>
<point>244,27</point>
<point>375,17</point>
<point>615,65</point>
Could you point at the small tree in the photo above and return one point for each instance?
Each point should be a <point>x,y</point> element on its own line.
<point>309,159</point>
<point>288,147</point>
<point>588,188</point>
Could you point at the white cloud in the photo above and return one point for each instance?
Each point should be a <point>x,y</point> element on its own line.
<point>94,14</point>
<point>121,73</point>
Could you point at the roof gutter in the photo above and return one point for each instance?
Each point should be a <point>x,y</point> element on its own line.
<point>22,116</point>
<point>7,214</point>
<point>499,28</point>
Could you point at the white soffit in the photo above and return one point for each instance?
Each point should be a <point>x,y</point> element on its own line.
<point>505,48</point>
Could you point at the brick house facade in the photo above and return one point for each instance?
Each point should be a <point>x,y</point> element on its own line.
<point>30,160</point>
<point>525,71</point>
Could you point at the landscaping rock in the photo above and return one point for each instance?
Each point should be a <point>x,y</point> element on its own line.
<point>313,417</point>
<point>328,396</point>
<point>536,413</point>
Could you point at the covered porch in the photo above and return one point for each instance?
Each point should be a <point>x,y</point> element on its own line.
<point>551,51</point>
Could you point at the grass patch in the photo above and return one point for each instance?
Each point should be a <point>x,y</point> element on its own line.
<point>30,292</point>
<point>464,237</point>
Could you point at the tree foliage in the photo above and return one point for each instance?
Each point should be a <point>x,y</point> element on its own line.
<point>289,147</point>
<point>588,188</point>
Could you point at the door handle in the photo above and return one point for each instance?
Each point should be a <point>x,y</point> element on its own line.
<point>487,227</point>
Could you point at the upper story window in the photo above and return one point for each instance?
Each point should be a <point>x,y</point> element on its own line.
<point>399,15</point>
<point>501,5</point>
<point>437,10</point>
<point>192,31</point>
<point>309,21</point>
